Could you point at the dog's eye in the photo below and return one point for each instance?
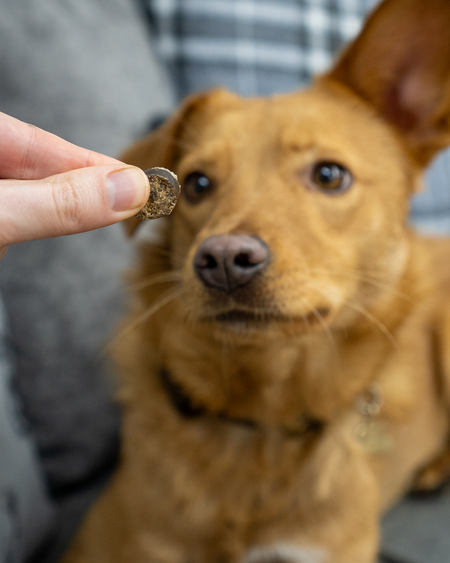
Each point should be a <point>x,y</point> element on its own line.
<point>196,186</point>
<point>331,177</point>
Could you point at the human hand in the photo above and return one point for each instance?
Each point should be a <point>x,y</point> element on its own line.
<point>50,187</point>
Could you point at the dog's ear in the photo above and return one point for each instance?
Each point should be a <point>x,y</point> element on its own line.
<point>163,147</point>
<point>400,63</point>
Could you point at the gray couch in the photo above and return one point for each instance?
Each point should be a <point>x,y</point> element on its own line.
<point>84,70</point>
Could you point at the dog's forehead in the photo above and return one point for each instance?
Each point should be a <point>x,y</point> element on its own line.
<point>317,116</point>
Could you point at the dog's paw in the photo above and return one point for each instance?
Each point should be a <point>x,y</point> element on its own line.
<point>434,476</point>
<point>284,553</point>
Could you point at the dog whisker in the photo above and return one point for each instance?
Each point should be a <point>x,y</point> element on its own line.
<point>369,274</point>
<point>324,324</point>
<point>165,252</point>
<point>164,299</point>
<point>365,278</point>
<point>164,277</point>
<point>363,311</point>
<point>307,323</point>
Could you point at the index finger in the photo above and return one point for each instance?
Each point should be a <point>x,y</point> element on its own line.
<point>29,153</point>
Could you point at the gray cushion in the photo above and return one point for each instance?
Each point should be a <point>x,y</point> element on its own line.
<point>84,70</point>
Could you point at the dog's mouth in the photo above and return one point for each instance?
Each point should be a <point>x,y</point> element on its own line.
<point>237,318</point>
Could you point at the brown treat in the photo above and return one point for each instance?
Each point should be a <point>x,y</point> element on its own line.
<point>164,193</point>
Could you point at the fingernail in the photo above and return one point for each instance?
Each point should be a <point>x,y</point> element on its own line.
<point>127,189</point>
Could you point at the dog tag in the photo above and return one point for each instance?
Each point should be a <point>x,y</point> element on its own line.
<point>373,436</point>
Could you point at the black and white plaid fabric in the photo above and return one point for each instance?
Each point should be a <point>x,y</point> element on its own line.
<point>254,47</point>
<point>261,47</point>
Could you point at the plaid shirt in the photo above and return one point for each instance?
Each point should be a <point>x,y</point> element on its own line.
<point>261,47</point>
<point>254,47</point>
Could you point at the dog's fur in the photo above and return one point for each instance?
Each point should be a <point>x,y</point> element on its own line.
<point>218,465</point>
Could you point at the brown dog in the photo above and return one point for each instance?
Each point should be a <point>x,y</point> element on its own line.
<point>286,369</point>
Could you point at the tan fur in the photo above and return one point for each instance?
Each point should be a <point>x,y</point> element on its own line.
<point>209,489</point>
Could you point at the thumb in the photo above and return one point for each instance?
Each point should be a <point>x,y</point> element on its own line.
<point>73,202</point>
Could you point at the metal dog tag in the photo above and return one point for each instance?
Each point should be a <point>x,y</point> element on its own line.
<point>373,436</point>
<point>371,432</point>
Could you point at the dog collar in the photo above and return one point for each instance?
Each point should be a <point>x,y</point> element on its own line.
<point>187,408</point>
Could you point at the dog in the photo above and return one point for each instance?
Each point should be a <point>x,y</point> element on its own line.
<point>285,367</point>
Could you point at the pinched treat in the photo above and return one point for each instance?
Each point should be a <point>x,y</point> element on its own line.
<point>164,193</point>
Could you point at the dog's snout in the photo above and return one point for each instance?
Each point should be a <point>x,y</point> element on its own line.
<point>226,262</point>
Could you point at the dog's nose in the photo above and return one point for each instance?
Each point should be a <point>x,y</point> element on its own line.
<point>226,262</point>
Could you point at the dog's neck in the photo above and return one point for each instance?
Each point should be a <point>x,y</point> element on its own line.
<point>272,385</point>
<point>186,407</point>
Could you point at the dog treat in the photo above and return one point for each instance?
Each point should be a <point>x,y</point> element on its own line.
<point>164,193</point>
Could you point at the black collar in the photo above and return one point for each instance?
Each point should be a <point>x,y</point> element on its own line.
<point>186,408</point>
